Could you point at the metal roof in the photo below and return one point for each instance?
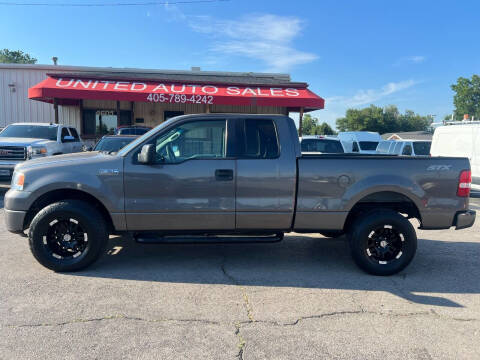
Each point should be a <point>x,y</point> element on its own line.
<point>158,74</point>
<point>410,135</point>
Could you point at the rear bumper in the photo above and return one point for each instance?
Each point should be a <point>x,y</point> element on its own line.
<point>464,219</point>
<point>14,220</point>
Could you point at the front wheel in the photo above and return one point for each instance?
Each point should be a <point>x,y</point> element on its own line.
<point>68,235</point>
<point>382,242</point>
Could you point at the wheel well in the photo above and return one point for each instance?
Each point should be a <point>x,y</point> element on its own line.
<point>383,200</point>
<point>64,194</point>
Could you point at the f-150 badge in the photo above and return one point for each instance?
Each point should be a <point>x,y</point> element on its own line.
<point>108,172</point>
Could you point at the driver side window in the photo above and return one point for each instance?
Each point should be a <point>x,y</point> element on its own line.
<point>196,139</point>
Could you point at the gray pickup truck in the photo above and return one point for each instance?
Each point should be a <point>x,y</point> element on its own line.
<point>233,178</point>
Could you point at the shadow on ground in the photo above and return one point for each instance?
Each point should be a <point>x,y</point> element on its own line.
<point>297,261</point>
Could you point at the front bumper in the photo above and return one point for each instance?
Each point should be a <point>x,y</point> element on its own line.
<point>14,220</point>
<point>464,219</point>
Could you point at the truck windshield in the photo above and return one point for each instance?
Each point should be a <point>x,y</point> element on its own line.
<point>30,131</point>
<point>322,145</point>
<point>368,145</point>
<point>112,144</point>
<point>422,147</point>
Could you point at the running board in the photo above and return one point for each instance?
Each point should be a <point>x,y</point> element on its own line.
<point>203,239</point>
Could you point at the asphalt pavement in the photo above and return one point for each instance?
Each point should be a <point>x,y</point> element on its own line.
<point>302,298</point>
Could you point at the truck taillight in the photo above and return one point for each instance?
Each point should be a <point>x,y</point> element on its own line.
<point>464,183</point>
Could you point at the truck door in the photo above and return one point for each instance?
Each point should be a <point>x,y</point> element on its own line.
<point>191,186</point>
<point>266,174</point>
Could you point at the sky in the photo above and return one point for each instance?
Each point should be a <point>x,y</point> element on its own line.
<point>351,53</point>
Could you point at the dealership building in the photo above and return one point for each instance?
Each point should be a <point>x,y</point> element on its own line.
<point>98,100</point>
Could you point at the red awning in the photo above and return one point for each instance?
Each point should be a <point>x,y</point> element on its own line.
<point>67,89</point>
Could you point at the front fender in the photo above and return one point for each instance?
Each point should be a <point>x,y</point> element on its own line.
<point>96,179</point>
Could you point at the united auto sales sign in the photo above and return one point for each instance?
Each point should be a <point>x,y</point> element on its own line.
<point>177,93</point>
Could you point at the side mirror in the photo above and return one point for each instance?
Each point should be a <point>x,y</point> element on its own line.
<point>68,138</point>
<point>147,155</point>
<point>87,148</point>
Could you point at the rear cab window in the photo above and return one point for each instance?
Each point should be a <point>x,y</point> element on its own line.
<point>260,139</point>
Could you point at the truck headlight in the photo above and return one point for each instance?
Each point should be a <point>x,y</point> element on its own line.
<point>18,180</point>
<point>33,151</point>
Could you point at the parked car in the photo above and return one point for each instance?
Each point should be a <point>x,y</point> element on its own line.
<point>460,139</point>
<point>404,147</point>
<point>23,141</point>
<point>363,142</point>
<point>113,143</point>
<point>132,130</point>
<point>321,144</point>
<point>232,174</point>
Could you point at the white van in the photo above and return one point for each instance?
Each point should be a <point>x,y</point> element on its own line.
<point>363,142</point>
<point>404,147</point>
<point>461,140</point>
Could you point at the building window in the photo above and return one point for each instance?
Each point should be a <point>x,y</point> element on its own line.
<point>97,123</point>
<point>170,114</point>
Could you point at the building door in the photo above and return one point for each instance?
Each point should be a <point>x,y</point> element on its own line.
<point>125,118</point>
<point>191,185</point>
<point>97,123</point>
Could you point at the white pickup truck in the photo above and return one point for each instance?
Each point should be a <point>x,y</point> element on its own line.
<point>24,141</point>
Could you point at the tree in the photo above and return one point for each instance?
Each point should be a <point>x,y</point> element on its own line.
<point>310,126</point>
<point>467,97</point>
<point>325,129</point>
<point>382,120</point>
<point>16,57</point>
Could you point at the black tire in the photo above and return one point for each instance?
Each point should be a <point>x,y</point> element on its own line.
<point>382,242</point>
<point>331,233</point>
<point>68,235</point>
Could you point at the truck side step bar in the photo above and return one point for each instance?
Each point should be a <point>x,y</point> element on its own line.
<point>151,238</point>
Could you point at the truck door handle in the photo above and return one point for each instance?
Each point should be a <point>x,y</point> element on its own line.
<point>223,174</point>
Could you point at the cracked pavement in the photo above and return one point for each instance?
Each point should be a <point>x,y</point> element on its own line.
<point>301,298</point>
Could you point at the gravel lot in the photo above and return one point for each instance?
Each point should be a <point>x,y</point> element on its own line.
<point>302,298</point>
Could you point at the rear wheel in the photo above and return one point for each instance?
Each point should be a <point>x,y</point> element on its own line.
<point>68,235</point>
<point>382,242</point>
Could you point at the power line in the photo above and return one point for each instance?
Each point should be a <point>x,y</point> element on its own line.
<point>147,3</point>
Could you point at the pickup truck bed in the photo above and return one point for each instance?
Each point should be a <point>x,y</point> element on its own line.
<point>233,174</point>
<point>331,186</point>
